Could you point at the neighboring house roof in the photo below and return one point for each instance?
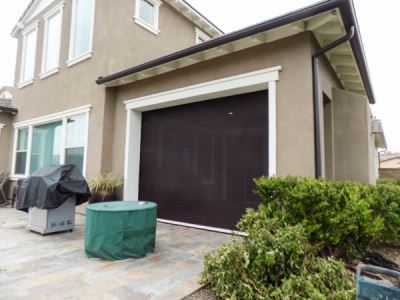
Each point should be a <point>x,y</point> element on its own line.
<point>5,106</point>
<point>389,156</point>
<point>5,102</point>
<point>328,20</point>
<point>180,5</point>
<point>6,92</point>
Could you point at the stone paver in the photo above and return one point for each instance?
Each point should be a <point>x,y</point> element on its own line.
<point>55,266</point>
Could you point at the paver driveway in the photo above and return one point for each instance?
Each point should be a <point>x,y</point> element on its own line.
<point>55,266</point>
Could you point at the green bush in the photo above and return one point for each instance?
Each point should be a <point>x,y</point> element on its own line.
<point>386,205</point>
<point>389,181</point>
<point>274,261</point>
<point>344,217</point>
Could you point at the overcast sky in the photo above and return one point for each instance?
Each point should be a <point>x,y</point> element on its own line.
<point>378,25</point>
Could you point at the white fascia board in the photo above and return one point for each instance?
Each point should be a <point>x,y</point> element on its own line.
<point>244,83</point>
<point>195,17</point>
<point>54,116</point>
<point>36,8</point>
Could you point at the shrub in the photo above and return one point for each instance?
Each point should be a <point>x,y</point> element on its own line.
<point>388,181</point>
<point>386,205</point>
<point>274,261</point>
<point>345,217</point>
<point>105,182</point>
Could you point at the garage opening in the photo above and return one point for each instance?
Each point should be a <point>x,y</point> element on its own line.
<point>198,160</point>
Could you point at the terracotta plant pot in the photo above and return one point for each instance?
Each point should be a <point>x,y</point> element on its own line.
<point>102,196</point>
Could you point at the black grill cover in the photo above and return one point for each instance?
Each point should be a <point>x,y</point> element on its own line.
<point>50,186</point>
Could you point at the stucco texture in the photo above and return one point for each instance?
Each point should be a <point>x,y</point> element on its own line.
<point>118,42</point>
<point>353,137</point>
<point>295,142</point>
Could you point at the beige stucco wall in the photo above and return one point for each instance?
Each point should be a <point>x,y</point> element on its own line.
<point>5,141</point>
<point>328,81</point>
<point>352,137</point>
<point>118,43</point>
<point>295,135</point>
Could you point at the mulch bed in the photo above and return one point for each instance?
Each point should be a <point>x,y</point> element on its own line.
<point>203,294</point>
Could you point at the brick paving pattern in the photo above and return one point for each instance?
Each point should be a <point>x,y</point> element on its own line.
<point>55,266</point>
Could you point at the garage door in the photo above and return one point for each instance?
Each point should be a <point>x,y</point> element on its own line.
<point>198,160</point>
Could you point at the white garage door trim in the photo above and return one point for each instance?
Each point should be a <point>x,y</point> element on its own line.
<point>229,86</point>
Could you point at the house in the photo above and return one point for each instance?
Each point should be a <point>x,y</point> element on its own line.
<point>389,166</point>
<point>62,47</point>
<point>390,160</point>
<point>188,114</point>
<point>6,113</point>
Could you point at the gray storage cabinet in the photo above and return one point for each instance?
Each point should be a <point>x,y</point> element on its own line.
<point>58,219</point>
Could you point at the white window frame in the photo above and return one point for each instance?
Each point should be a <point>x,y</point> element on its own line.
<point>59,9</point>
<point>245,83</point>
<point>60,116</point>
<point>32,28</point>
<point>27,150</point>
<point>200,34</point>
<point>74,60</point>
<point>153,28</point>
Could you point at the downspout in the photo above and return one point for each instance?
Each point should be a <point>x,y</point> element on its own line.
<point>317,97</point>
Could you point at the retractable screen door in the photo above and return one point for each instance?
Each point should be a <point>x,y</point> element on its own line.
<point>198,160</point>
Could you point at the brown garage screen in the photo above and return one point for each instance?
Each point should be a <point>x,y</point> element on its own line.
<point>198,160</point>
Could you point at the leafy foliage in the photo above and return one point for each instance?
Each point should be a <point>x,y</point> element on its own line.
<point>274,261</point>
<point>292,237</point>
<point>105,182</point>
<point>386,205</point>
<point>344,216</point>
<point>388,181</point>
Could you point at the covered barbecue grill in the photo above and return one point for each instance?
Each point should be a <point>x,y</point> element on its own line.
<point>50,195</point>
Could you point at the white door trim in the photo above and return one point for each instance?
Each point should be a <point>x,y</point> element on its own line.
<point>229,86</point>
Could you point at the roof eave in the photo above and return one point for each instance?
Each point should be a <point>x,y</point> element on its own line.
<point>16,29</point>
<point>348,15</point>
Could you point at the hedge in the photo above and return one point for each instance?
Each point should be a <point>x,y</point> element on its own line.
<point>345,217</point>
<point>297,236</point>
<point>275,261</point>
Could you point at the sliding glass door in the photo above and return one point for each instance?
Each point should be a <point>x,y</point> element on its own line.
<point>75,142</point>
<point>46,145</point>
<point>59,142</point>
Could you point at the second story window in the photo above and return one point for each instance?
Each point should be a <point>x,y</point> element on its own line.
<point>146,14</point>
<point>52,42</point>
<point>81,30</point>
<point>29,37</point>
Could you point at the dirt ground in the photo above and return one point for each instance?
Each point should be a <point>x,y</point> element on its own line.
<point>203,294</point>
<point>391,251</point>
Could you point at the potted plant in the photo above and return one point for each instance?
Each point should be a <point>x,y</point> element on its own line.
<point>103,187</point>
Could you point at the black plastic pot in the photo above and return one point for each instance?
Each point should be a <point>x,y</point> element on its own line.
<point>102,196</point>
